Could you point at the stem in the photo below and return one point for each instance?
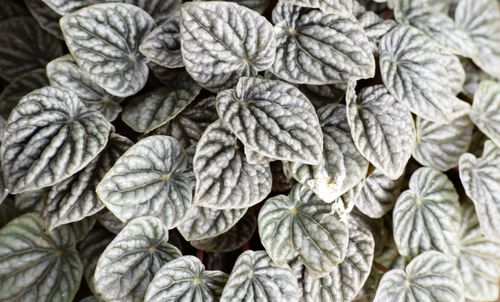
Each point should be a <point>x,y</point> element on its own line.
<point>200,254</point>
<point>380,267</point>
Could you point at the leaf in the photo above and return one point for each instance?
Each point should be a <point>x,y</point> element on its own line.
<point>147,112</point>
<point>82,227</point>
<point>63,7</point>
<point>160,10</point>
<point>75,198</point>
<point>378,194</point>
<point>440,145</point>
<point>129,262</point>
<point>50,136</point>
<point>163,44</point>
<point>20,87</point>
<point>342,7</point>
<point>426,216</point>
<point>25,47</point>
<point>341,167</point>
<point>382,128</point>
<point>255,278</point>
<point>90,249</point>
<point>347,279</point>
<point>304,224</point>
<point>222,41</point>
<point>149,179</point>
<point>12,8</point>
<point>104,40</point>
<point>480,179</point>
<point>45,16</point>
<point>232,239</point>
<point>257,5</point>
<point>416,72</point>
<point>272,118</point>
<point>110,221</point>
<point>485,112</point>
<point>63,72</point>
<point>318,48</point>
<point>429,277</point>
<point>38,266</point>
<point>185,278</point>
<point>440,28</point>
<point>478,261</point>
<point>484,34</point>
<point>224,178</point>
<point>203,223</point>
<point>31,201</point>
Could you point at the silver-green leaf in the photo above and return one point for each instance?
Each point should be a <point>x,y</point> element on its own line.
<point>342,7</point>
<point>222,41</point>
<point>129,262</point>
<point>185,279</point>
<point>50,136</point>
<point>427,215</point>
<point>485,112</point>
<point>149,179</point>
<point>256,278</point>
<point>104,39</point>
<point>272,118</point>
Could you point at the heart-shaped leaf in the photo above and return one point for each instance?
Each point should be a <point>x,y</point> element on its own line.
<point>417,73</point>
<point>478,262</point>
<point>484,34</point>
<point>224,178</point>
<point>129,262</point>
<point>272,118</point>
<point>429,277</point>
<point>256,278</point>
<point>304,224</point>
<point>185,278</point>
<point>480,179</point>
<point>35,265</point>
<point>440,145</point>
<point>104,39</point>
<point>347,279</point>
<point>75,198</point>
<point>50,136</point>
<point>341,167</point>
<point>485,112</point>
<point>222,41</point>
<point>149,179</point>
<point>147,112</point>
<point>65,73</point>
<point>25,47</point>
<point>319,48</point>
<point>426,216</point>
<point>382,128</point>
<point>205,223</point>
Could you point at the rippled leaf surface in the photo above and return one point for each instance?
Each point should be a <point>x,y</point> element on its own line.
<point>426,216</point>
<point>50,136</point>
<point>341,167</point>
<point>104,39</point>
<point>418,75</point>
<point>130,261</point>
<point>224,178</point>
<point>63,7</point>
<point>272,118</point>
<point>163,44</point>
<point>65,73</point>
<point>149,179</point>
<point>257,5</point>
<point>255,278</point>
<point>318,48</point>
<point>25,47</point>
<point>485,112</point>
<point>160,10</point>
<point>147,112</point>
<point>35,265</point>
<point>205,223</point>
<point>429,277</point>
<point>382,128</point>
<point>480,179</point>
<point>222,41</point>
<point>342,7</point>
<point>75,198</point>
<point>304,224</point>
<point>185,279</point>
<point>440,145</point>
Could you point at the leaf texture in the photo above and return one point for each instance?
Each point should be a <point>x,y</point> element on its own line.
<point>46,17</point>
<point>222,41</point>
<point>485,112</point>
<point>63,7</point>
<point>50,136</point>
<point>149,179</point>
<point>341,7</point>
